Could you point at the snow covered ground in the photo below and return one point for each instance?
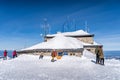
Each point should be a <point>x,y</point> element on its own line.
<point>29,67</point>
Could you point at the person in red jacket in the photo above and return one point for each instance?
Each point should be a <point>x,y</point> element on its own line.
<point>53,54</point>
<point>14,54</point>
<point>5,55</point>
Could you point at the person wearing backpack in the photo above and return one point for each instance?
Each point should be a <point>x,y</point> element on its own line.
<point>14,54</point>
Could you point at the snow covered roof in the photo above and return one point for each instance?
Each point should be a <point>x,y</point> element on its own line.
<point>94,44</point>
<point>74,33</point>
<point>58,42</point>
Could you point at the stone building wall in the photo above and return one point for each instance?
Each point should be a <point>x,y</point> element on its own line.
<point>91,49</point>
<point>44,53</point>
<point>79,54</point>
<point>86,39</point>
<point>83,39</point>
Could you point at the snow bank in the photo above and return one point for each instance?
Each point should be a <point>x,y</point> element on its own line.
<point>88,54</point>
<point>29,67</point>
<point>8,58</point>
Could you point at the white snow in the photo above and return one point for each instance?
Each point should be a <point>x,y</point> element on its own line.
<point>58,42</point>
<point>29,67</point>
<point>74,33</point>
<point>88,44</point>
<point>95,43</point>
<point>88,54</point>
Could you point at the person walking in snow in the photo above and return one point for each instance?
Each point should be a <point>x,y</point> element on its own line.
<point>14,54</point>
<point>97,55</point>
<point>53,54</point>
<point>101,55</point>
<point>5,55</point>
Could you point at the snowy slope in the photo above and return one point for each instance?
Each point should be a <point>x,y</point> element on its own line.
<point>88,54</point>
<point>29,67</point>
<point>58,42</point>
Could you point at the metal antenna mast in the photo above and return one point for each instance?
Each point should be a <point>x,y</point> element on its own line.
<point>74,25</point>
<point>86,26</point>
<point>63,29</point>
<point>66,25</point>
<point>45,28</point>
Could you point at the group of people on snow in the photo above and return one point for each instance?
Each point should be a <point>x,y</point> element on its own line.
<point>99,55</point>
<point>98,51</point>
<point>14,54</point>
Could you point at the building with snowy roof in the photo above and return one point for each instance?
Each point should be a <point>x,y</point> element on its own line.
<point>71,42</point>
<point>59,43</point>
<point>86,38</point>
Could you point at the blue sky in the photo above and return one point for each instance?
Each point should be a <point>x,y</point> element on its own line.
<point>21,20</point>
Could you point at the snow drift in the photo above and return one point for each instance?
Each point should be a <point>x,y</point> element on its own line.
<point>88,54</point>
<point>29,67</point>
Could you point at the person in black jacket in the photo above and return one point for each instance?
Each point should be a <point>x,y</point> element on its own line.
<point>97,55</point>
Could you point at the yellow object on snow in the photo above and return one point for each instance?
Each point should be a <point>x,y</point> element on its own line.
<point>59,57</point>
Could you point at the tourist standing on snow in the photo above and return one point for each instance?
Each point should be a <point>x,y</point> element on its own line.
<point>41,56</point>
<point>53,54</point>
<point>14,54</point>
<point>5,55</point>
<point>97,55</point>
<point>101,55</point>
